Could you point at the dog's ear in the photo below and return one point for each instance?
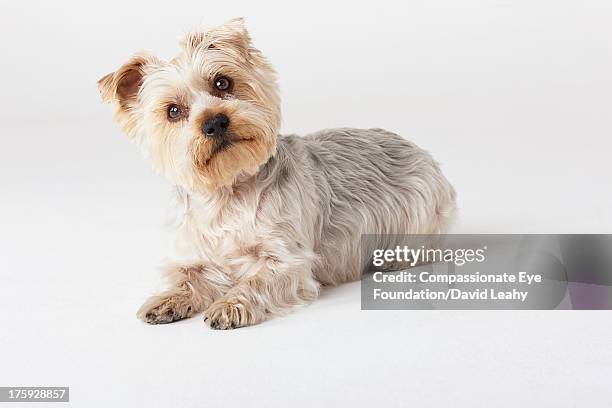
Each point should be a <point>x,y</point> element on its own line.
<point>122,86</point>
<point>234,28</point>
<point>228,36</point>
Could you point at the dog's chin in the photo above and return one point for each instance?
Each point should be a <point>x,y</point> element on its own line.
<point>218,164</point>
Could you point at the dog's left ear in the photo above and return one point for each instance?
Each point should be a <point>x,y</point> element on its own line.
<point>123,85</point>
<point>231,35</point>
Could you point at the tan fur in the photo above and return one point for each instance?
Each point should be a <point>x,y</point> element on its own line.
<point>262,220</point>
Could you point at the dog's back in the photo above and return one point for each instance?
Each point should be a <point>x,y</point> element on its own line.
<point>366,181</point>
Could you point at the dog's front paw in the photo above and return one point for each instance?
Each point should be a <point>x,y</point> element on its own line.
<point>164,309</point>
<point>226,314</point>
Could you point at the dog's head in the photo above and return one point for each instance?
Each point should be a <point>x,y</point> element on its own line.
<point>207,117</point>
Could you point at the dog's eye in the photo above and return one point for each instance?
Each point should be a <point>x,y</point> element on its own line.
<point>223,83</point>
<point>175,112</point>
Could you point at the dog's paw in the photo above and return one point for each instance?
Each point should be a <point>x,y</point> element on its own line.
<point>226,314</point>
<point>164,309</point>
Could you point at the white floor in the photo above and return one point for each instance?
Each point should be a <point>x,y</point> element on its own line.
<point>82,233</point>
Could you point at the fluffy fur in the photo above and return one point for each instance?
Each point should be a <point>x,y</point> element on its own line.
<point>263,221</point>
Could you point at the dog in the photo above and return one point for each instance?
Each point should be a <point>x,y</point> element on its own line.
<point>263,220</point>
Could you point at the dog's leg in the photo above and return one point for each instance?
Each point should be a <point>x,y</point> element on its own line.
<point>265,294</point>
<point>192,289</point>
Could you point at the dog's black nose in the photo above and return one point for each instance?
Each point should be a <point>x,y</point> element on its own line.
<point>216,126</point>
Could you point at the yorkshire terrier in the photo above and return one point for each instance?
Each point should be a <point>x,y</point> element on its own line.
<point>264,220</point>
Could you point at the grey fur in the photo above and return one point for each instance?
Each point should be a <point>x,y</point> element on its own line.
<point>343,183</point>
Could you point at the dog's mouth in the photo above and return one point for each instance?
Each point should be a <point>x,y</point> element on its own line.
<point>222,146</point>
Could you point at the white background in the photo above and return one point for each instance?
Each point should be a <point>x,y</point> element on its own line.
<point>512,97</point>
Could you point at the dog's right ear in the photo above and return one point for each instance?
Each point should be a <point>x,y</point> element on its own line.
<point>123,85</point>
